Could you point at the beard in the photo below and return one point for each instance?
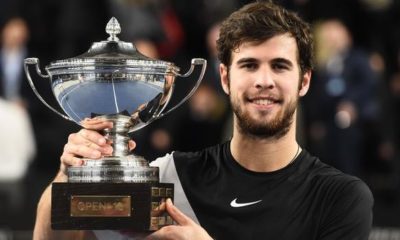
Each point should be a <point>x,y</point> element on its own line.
<point>264,129</point>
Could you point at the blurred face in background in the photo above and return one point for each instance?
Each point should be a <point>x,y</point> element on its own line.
<point>15,34</point>
<point>332,38</point>
<point>212,37</point>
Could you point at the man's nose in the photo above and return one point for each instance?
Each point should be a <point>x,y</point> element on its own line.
<point>264,79</point>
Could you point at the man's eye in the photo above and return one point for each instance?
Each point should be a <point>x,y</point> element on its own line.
<point>280,67</point>
<point>249,66</point>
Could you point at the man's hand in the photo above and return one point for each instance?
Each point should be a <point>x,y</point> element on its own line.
<point>86,144</point>
<point>186,229</point>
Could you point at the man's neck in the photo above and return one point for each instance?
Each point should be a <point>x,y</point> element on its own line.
<point>264,155</point>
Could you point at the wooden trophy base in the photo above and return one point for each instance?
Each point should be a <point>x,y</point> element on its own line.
<point>90,206</point>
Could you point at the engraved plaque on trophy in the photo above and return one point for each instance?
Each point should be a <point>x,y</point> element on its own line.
<point>116,83</point>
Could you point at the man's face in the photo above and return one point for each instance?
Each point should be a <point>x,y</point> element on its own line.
<point>264,84</point>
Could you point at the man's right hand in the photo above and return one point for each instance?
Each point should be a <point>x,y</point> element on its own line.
<point>86,144</point>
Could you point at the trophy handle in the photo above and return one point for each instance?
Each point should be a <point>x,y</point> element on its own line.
<point>35,61</point>
<point>195,61</point>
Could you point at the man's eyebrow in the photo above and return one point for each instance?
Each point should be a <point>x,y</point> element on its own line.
<point>275,60</point>
<point>246,60</point>
<point>282,60</point>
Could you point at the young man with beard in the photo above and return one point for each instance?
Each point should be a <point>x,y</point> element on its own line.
<point>261,184</point>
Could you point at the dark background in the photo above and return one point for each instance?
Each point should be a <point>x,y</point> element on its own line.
<point>62,29</point>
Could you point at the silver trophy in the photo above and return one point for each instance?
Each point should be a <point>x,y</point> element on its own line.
<point>112,82</point>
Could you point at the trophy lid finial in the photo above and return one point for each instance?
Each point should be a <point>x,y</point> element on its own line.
<point>113,28</point>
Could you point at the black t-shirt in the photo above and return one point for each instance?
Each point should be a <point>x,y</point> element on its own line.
<point>305,200</point>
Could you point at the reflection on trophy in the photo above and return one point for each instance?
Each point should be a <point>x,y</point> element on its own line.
<point>112,82</point>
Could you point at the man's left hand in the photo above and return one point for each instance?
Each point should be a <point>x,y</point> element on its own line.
<point>185,229</point>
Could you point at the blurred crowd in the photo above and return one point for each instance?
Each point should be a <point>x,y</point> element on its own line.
<point>349,118</point>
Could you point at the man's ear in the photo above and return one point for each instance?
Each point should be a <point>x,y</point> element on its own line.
<point>224,74</point>
<point>305,84</point>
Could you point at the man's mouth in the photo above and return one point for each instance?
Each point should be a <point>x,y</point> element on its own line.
<point>264,101</point>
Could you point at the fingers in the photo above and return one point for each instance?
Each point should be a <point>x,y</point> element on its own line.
<point>71,153</point>
<point>131,145</point>
<point>165,233</point>
<point>87,143</point>
<point>96,123</point>
<point>176,214</point>
<point>70,160</point>
<point>186,229</point>
<point>85,135</point>
<point>82,150</point>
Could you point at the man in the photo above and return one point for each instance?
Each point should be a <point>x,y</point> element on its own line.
<point>261,184</point>
<point>342,112</point>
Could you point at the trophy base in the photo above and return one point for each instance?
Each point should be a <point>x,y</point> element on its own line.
<point>90,206</point>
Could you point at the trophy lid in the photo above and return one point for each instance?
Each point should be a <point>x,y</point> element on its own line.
<point>113,53</point>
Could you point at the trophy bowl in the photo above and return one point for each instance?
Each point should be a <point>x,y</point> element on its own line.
<point>111,82</point>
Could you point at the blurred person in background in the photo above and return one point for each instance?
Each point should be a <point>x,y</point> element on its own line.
<point>389,149</point>
<point>17,143</point>
<point>207,114</point>
<point>17,150</point>
<point>153,21</point>
<point>204,120</point>
<point>342,100</point>
<point>197,16</point>
<point>14,37</point>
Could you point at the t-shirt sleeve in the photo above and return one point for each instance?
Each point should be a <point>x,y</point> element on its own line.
<point>350,215</point>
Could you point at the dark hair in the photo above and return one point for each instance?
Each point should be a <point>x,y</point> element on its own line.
<point>259,21</point>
